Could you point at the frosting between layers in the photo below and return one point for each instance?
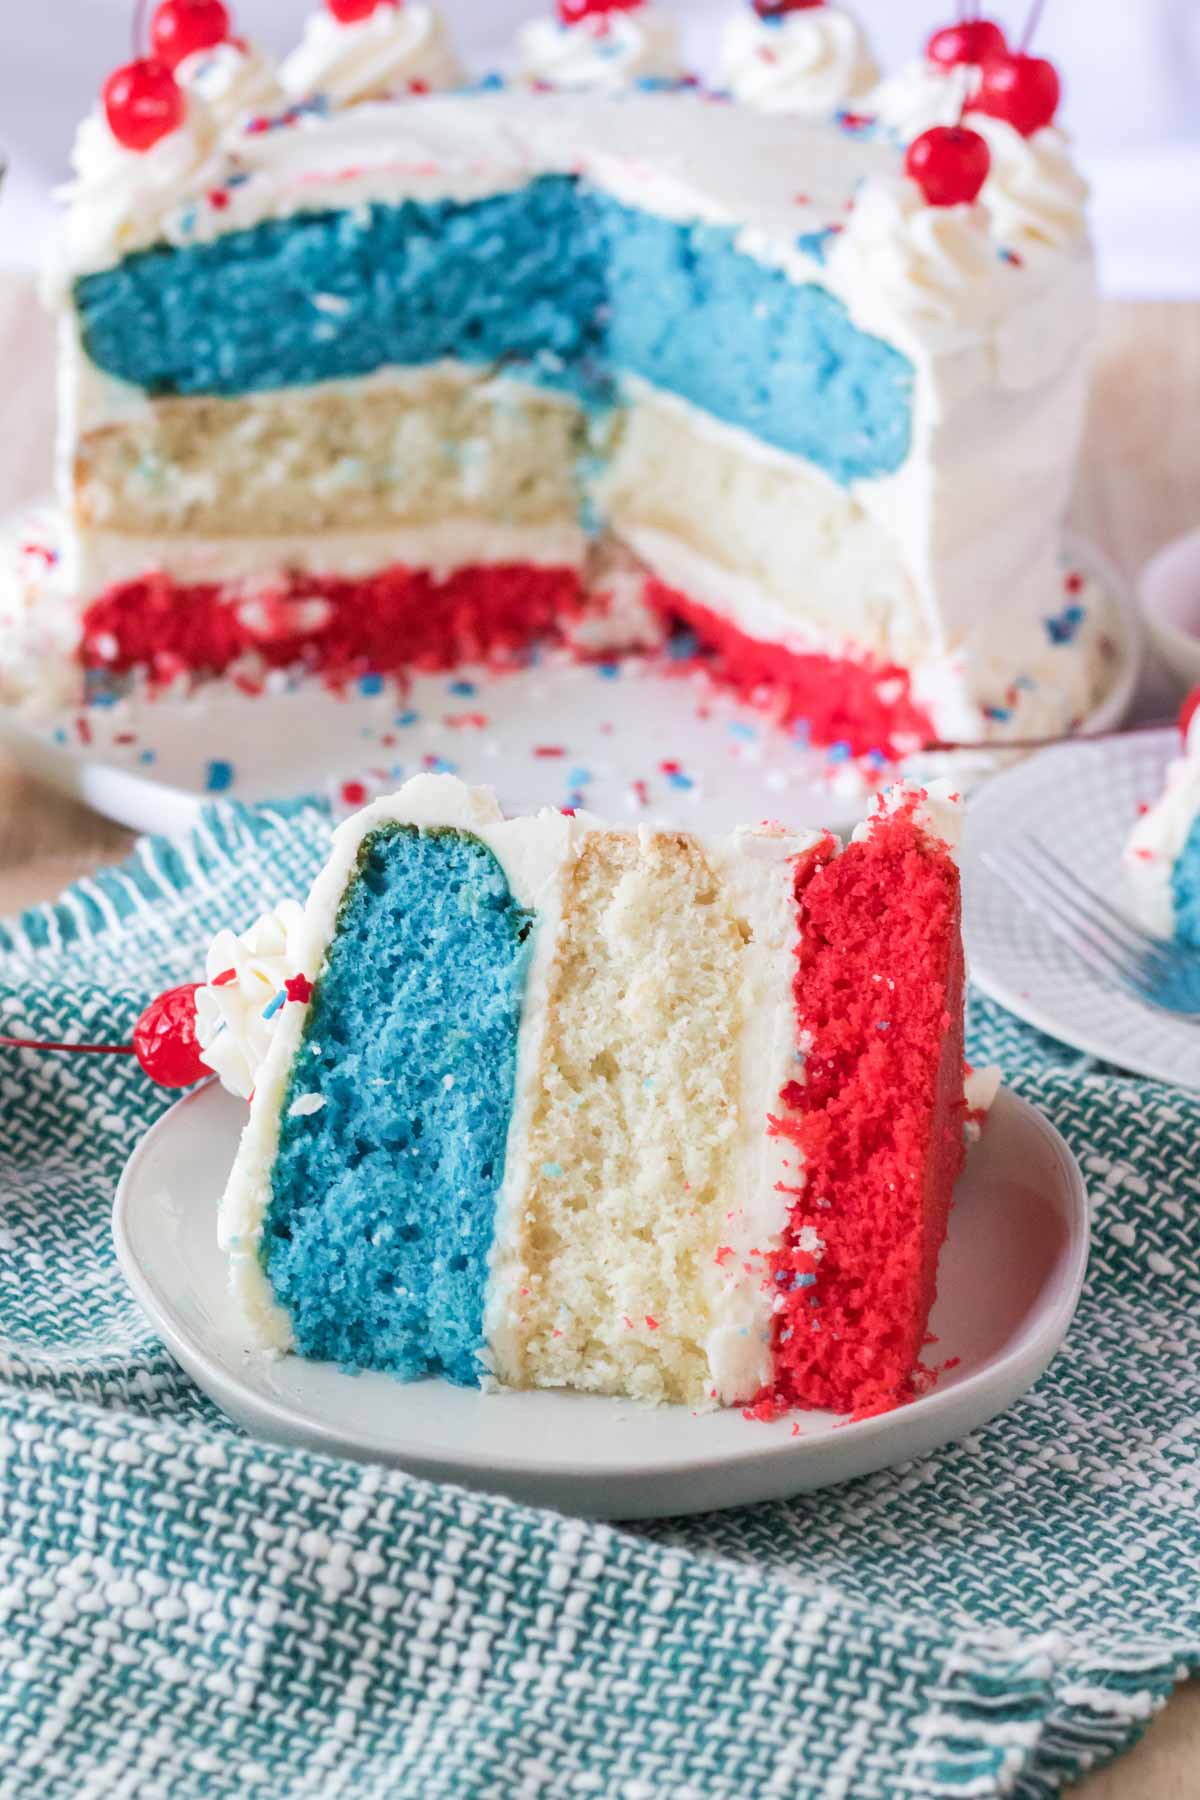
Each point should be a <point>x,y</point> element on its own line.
<point>602,53</point>
<point>807,63</point>
<point>394,49</point>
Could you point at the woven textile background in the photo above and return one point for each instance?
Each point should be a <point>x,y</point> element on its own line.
<point>184,1612</point>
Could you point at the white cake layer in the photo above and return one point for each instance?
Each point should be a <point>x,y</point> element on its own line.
<point>536,855</point>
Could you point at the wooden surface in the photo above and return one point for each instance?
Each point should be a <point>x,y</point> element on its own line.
<point>1139,485</point>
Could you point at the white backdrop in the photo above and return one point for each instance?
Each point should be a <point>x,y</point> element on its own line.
<point>1132,72</point>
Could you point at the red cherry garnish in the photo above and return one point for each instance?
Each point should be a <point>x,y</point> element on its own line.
<point>1024,90</point>
<point>971,41</point>
<point>950,164</point>
<point>1188,711</point>
<point>143,102</point>
<point>572,12</point>
<point>779,9</point>
<point>164,1039</point>
<point>353,12</point>
<point>180,28</point>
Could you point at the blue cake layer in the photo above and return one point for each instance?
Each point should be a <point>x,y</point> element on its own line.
<point>561,284</point>
<point>382,1203</point>
<point>1185,890</point>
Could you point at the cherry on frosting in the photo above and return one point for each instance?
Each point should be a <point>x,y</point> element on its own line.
<point>1024,90</point>
<point>1188,711</point>
<point>779,9</point>
<point>164,1039</point>
<point>180,28</point>
<point>950,164</point>
<point>573,12</point>
<point>971,41</point>
<point>353,12</point>
<point>143,102</point>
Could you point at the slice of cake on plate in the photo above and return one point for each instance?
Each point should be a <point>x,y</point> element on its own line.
<point>353,384</point>
<point>544,1103</point>
<point>1163,853</point>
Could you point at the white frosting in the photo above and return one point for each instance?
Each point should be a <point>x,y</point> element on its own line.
<point>118,197</point>
<point>389,52</point>
<point>920,95</point>
<point>939,811</point>
<point>232,1026</point>
<point>235,81</point>
<point>809,63</point>
<point>1160,838</point>
<point>932,265</point>
<point>535,854</point>
<point>1036,197</point>
<point>603,52</point>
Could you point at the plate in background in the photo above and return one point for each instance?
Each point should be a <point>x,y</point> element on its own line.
<point>1085,801</point>
<point>1010,1278</point>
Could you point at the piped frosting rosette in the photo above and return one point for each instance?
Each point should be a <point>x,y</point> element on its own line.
<point>235,81</point>
<point>244,992</point>
<point>117,195</point>
<point>395,50</point>
<point>809,63</point>
<point>602,52</point>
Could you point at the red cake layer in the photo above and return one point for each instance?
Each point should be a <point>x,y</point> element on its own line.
<point>399,618</point>
<point>865,705</point>
<point>879,1118</point>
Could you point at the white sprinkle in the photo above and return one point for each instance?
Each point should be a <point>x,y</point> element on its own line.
<point>447,1082</point>
<point>304,1104</point>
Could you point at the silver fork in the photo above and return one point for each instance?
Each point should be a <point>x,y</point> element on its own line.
<point>1163,974</point>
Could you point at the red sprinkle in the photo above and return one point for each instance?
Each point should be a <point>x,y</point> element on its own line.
<point>299,988</point>
<point>354,793</point>
<point>224,978</point>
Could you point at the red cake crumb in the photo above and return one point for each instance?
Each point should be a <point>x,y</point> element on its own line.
<point>394,620</point>
<point>879,1118</point>
<point>866,706</point>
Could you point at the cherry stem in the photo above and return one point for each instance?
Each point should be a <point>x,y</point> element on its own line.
<point>15,1043</point>
<point>1035,19</point>
<point>139,27</point>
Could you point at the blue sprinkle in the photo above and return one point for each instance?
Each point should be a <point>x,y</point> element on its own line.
<point>148,756</point>
<point>1001,714</point>
<point>273,1006</point>
<point>442,766</point>
<point>839,752</point>
<point>218,777</point>
<point>370,684</point>
<point>802,734</point>
<point>407,718</point>
<point>739,729</point>
<point>553,1171</point>
<point>877,758</point>
<point>683,646</point>
<point>60,736</point>
<point>465,688</point>
<point>608,671</point>
<point>884,1025</point>
<point>804,1281</point>
<point>579,777</point>
<point>679,780</point>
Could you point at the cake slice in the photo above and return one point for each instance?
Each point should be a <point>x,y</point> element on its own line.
<point>1163,853</point>
<point>549,1103</point>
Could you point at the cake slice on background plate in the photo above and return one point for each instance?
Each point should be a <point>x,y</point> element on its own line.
<point>543,1103</point>
<point>1163,853</point>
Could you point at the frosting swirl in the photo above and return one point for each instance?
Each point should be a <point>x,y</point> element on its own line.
<point>235,81</point>
<point>118,197</point>
<point>244,976</point>
<point>920,95</point>
<point>1036,196</point>
<point>604,52</point>
<point>396,48</point>
<point>806,62</point>
<point>935,265</point>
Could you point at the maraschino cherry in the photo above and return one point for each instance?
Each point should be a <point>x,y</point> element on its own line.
<point>950,164</point>
<point>353,12</point>
<point>164,1041</point>
<point>573,12</point>
<point>181,28</point>
<point>1021,89</point>
<point>971,41</point>
<point>143,102</point>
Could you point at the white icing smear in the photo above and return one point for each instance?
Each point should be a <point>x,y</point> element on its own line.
<point>808,63</point>
<point>603,52</point>
<point>932,265</point>
<point>235,81</point>
<point>1035,196</point>
<point>1160,838</point>
<point>118,198</point>
<point>395,49</point>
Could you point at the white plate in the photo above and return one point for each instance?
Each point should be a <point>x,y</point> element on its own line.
<point>1083,801</point>
<point>1011,1275</point>
<point>151,764</point>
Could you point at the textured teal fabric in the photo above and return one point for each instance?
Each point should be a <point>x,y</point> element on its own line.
<point>186,1613</point>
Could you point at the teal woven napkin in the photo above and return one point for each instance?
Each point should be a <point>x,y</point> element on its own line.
<point>185,1612</point>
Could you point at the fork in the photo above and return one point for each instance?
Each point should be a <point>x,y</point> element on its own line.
<point>1163,974</point>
